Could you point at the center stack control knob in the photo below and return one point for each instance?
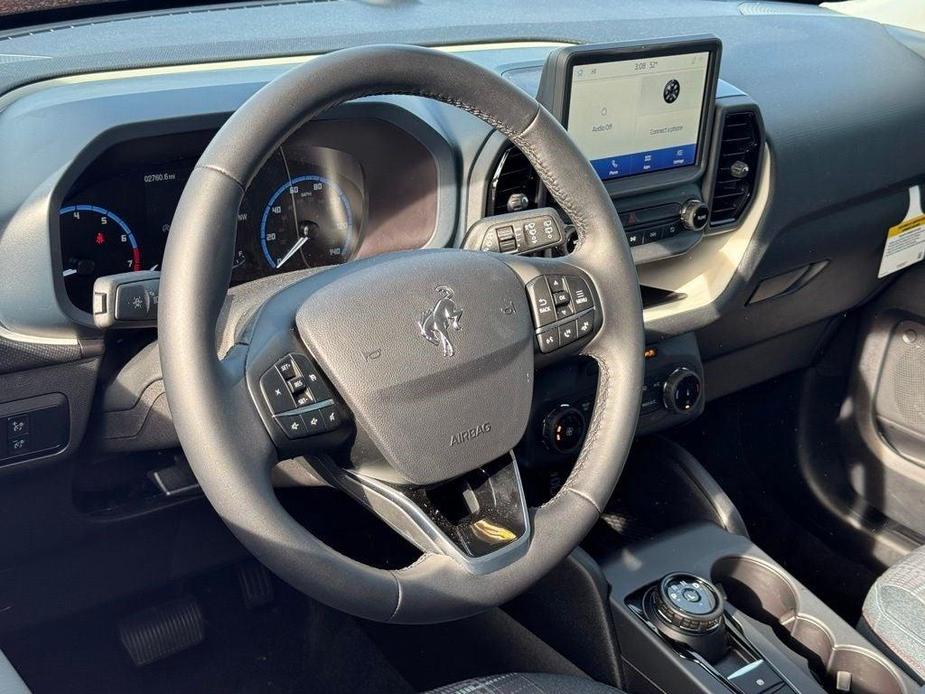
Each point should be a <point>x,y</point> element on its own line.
<point>682,391</point>
<point>564,429</point>
<point>695,214</point>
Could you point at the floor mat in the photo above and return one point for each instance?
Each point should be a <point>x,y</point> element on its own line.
<point>487,644</point>
<point>293,646</point>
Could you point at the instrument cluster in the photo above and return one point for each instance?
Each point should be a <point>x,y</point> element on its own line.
<point>305,208</point>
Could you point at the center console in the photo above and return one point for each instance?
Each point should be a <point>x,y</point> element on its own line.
<point>658,128</point>
<point>700,609</point>
<point>642,114</point>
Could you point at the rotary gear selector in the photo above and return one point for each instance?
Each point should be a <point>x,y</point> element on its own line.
<point>688,610</point>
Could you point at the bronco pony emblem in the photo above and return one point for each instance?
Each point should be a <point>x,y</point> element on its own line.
<point>436,324</point>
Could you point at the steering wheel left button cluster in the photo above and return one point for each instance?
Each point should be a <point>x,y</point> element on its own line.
<point>298,397</point>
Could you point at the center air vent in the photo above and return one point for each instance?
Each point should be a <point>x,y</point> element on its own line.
<point>737,168</point>
<point>515,185</point>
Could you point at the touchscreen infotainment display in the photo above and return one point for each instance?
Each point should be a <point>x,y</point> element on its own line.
<point>639,115</point>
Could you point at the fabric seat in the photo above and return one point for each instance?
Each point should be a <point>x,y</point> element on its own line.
<point>894,613</point>
<point>526,683</point>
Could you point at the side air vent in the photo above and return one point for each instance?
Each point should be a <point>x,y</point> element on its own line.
<point>737,168</point>
<point>514,186</point>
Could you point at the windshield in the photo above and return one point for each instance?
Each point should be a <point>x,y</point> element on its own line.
<point>51,10</point>
<point>36,11</point>
<point>904,13</point>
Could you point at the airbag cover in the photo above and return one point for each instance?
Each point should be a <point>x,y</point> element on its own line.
<point>433,353</point>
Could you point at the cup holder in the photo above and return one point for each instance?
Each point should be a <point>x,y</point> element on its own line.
<point>770,597</point>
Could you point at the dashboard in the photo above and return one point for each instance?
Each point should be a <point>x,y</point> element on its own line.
<point>703,151</point>
<point>105,119</point>
<point>307,207</point>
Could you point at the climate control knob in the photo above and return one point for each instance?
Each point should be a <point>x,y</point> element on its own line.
<point>564,429</point>
<point>695,214</point>
<point>682,391</point>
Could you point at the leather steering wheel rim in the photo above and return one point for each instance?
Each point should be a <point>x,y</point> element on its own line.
<point>228,447</point>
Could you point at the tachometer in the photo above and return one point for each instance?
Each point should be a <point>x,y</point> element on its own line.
<point>307,222</point>
<point>94,242</point>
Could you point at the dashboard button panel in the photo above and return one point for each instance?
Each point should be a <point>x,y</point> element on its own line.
<point>33,427</point>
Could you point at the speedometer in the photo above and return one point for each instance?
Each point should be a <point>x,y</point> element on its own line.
<point>94,242</point>
<point>307,222</point>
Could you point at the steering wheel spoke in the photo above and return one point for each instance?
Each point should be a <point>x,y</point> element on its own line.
<point>299,407</point>
<point>480,520</point>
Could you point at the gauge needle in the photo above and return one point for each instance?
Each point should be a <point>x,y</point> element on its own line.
<point>292,251</point>
<point>70,271</point>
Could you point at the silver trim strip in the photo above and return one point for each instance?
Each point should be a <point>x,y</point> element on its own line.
<point>308,408</point>
<point>487,563</point>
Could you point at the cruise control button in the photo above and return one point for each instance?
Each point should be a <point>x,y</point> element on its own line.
<point>296,385</point>
<point>568,333</point>
<point>548,340</point>
<point>304,399</point>
<point>331,418</point>
<point>293,426</point>
<point>581,293</point>
<point>585,324</point>
<point>287,367</point>
<point>276,392</point>
<point>314,422</point>
<point>313,380</point>
<point>544,312</point>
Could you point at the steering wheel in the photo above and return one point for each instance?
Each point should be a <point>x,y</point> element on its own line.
<point>412,372</point>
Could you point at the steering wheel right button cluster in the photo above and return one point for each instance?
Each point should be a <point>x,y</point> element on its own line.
<point>563,310</point>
